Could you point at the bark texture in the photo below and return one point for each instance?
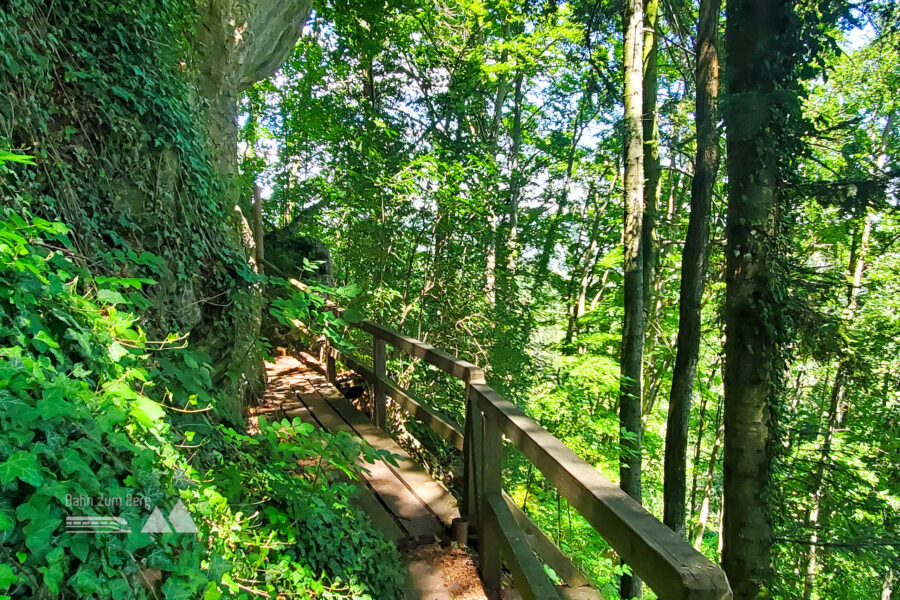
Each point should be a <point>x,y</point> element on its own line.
<point>755,88</point>
<point>694,262</point>
<point>651,150</point>
<point>633,327</point>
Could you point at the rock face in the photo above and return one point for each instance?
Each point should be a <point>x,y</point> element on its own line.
<point>125,118</point>
<point>239,42</point>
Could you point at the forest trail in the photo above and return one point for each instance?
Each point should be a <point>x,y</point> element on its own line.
<point>404,503</point>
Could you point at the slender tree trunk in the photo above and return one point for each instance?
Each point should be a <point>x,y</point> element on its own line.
<point>698,449</point>
<point>633,327</point>
<point>694,261</point>
<point>259,231</point>
<point>887,586</point>
<point>707,486</point>
<point>492,138</point>
<point>549,244</point>
<point>515,183</point>
<point>836,407</point>
<point>587,270</point>
<point>650,122</point>
<point>757,82</point>
<point>490,266</point>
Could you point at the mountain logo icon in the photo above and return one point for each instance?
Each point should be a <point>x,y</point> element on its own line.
<point>179,521</point>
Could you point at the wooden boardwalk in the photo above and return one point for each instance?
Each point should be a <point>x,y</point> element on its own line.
<point>409,506</point>
<point>404,502</point>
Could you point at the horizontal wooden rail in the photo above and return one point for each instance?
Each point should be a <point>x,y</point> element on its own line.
<point>544,547</point>
<point>668,564</point>
<point>531,581</point>
<point>444,361</point>
<point>445,428</point>
<point>671,567</point>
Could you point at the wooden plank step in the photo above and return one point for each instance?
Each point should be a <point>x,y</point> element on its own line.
<point>412,514</point>
<point>364,498</point>
<point>430,492</point>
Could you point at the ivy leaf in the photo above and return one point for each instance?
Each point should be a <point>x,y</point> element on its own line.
<point>352,315</point>
<point>111,297</point>
<point>79,547</point>
<point>7,577</point>
<point>177,589</point>
<point>42,524</point>
<point>53,573</point>
<point>117,351</point>
<point>44,338</point>
<point>147,411</point>
<point>53,403</point>
<point>84,581</point>
<point>21,465</point>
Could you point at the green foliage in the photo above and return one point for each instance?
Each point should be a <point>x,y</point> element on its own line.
<point>90,407</point>
<point>102,96</point>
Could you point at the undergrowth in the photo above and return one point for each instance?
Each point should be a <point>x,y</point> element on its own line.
<point>92,408</point>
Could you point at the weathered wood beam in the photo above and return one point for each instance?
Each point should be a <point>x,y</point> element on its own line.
<point>670,566</point>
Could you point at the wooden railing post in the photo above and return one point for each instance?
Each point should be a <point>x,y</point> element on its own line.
<point>471,445</point>
<point>490,464</point>
<point>380,367</point>
<point>330,367</point>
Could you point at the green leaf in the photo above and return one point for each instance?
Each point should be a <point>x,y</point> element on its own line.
<point>85,582</point>
<point>6,156</point>
<point>352,315</point>
<point>21,465</point>
<point>7,577</point>
<point>147,412</point>
<point>38,533</point>
<point>111,297</point>
<point>117,351</point>
<point>44,337</point>
<point>190,361</point>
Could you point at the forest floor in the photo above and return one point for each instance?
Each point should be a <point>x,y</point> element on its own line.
<point>442,572</point>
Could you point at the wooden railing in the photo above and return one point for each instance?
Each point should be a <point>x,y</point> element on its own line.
<point>505,534</point>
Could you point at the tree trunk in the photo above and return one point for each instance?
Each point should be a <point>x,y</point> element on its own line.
<point>549,244</point>
<point>259,232</point>
<point>633,326</point>
<point>587,271</point>
<point>856,268</point>
<point>491,138</point>
<point>237,43</point>
<point>515,182</point>
<point>757,83</point>
<point>707,487</point>
<point>698,447</point>
<point>694,261</point>
<point>650,123</point>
